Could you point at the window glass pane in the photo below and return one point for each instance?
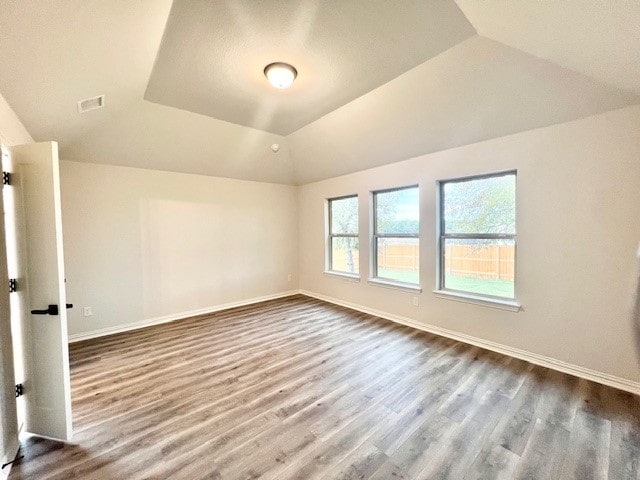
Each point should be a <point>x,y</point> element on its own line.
<point>399,259</point>
<point>344,254</point>
<point>480,266</point>
<point>397,211</point>
<point>484,205</point>
<point>344,215</point>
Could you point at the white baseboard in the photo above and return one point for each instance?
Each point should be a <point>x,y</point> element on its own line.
<point>11,454</point>
<point>576,370</point>
<point>77,337</point>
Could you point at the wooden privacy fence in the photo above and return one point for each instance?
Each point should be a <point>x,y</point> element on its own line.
<point>341,259</point>
<point>474,261</point>
<point>480,261</point>
<point>398,256</point>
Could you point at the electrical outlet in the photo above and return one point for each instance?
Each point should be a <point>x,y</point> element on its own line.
<point>416,302</point>
<point>87,311</point>
<point>289,277</point>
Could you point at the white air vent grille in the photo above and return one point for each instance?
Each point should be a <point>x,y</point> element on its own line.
<point>90,104</point>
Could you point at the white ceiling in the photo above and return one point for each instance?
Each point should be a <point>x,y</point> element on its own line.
<point>212,55</point>
<point>600,38</point>
<point>535,64</point>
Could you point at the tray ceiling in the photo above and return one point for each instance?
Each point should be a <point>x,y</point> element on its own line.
<point>212,55</point>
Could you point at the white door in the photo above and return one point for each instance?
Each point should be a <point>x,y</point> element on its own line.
<point>41,298</point>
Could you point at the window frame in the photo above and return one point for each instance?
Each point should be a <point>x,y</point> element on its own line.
<point>442,236</point>
<point>331,236</point>
<point>374,277</point>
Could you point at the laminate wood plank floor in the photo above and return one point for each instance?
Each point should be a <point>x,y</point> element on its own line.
<point>297,388</point>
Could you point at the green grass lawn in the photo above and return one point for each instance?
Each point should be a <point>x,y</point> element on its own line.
<point>399,275</point>
<point>485,286</point>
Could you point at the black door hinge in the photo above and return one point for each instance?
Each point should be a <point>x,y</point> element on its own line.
<point>13,285</point>
<point>6,178</point>
<point>19,390</point>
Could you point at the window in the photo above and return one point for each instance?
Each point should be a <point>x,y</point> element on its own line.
<point>342,241</point>
<point>478,235</point>
<point>395,235</point>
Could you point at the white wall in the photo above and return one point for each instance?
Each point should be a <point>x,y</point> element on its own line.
<point>578,202</point>
<point>12,132</point>
<point>143,244</point>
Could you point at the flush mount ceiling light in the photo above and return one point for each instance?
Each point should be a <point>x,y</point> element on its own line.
<point>280,75</point>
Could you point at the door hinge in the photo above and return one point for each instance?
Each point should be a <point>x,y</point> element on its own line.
<point>19,390</point>
<point>6,178</point>
<point>13,285</point>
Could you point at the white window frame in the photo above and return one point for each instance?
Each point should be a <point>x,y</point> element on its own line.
<point>474,297</point>
<point>375,278</point>
<point>331,236</point>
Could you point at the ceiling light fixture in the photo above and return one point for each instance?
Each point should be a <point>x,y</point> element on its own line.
<point>280,75</point>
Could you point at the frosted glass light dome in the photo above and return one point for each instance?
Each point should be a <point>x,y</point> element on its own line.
<point>280,75</point>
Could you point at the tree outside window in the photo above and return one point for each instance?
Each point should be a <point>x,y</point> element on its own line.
<point>478,235</point>
<point>343,247</point>
<point>396,255</point>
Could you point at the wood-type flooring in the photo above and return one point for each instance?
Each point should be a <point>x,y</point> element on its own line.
<point>297,388</point>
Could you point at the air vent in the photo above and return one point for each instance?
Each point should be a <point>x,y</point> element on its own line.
<point>91,104</point>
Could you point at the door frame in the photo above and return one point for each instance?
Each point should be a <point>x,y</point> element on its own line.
<point>10,430</point>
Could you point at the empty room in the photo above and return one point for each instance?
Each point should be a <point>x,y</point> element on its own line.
<point>320,239</point>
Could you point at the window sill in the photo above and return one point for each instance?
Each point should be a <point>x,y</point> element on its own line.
<point>395,285</point>
<point>509,305</point>
<point>343,275</point>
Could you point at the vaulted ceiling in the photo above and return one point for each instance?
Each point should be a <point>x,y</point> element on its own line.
<point>378,81</point>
